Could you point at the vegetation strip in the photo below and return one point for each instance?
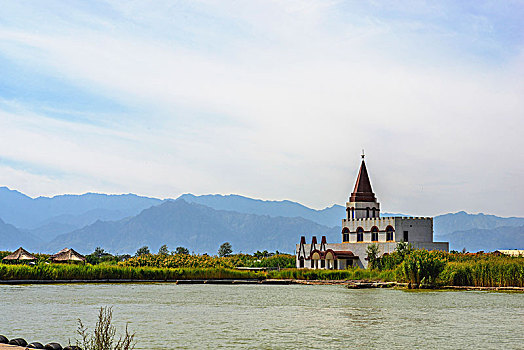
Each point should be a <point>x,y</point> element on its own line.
<point>414,267</point>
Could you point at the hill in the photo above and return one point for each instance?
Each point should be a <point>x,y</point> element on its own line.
<point>330,216</point>
<point>11,238</point>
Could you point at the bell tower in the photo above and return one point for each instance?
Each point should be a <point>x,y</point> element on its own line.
<point>362,202</point>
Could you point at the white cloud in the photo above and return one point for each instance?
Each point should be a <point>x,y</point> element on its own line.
<point>275,100</point>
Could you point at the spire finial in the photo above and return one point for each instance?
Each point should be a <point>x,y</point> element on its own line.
<point>363,155</point>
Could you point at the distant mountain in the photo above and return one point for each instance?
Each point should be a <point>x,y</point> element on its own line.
<point>462,221</point>
<point>11,238</point>
<point>52,219</point>
<point>504,237</point>
<point>76,210</point>
<point>196,227</point>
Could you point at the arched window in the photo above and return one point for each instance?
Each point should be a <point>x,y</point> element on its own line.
<point>345,234</point>
<point>389,233</point>
<point>374,234</point>
<point>367,213</point>
<point>360,234</point>
<point>374,215</point>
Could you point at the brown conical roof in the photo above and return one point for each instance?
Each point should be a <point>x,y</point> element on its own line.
<point>362,191</point>
<point>67,254</point>
<point>20,254</point>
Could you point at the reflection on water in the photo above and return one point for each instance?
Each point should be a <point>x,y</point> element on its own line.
<point>269,317</point>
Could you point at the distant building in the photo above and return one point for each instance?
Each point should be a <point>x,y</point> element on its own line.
<point>364,226</point>
<point>510,252</point>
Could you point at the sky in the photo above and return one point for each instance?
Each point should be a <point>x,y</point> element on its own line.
<point>268,99</point>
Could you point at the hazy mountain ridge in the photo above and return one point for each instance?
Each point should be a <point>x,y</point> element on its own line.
<point>330,216</point>
<point>29,213</point>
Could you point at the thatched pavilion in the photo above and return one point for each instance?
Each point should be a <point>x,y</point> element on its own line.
<point>67,255</point>
<point>20,255</point>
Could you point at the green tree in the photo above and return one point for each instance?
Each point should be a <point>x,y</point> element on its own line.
<point>225,249</point>
<point>99,252</point>
<point>163,250</point>
<point>372,252</point>
<point>182,250</point>
<point>142,251</point>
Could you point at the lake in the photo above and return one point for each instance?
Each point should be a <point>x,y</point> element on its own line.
<point>167,315</point>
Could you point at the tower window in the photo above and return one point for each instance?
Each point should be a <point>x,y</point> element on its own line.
<point>345,234</point>
<point>374,234</point>
<point>406,237</point>
<point>360,234</point>
<point>389,233</point>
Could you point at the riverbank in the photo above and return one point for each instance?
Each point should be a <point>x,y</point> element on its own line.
<point>353,284</point>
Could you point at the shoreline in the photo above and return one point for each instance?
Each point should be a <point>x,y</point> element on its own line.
<point>351,284</point>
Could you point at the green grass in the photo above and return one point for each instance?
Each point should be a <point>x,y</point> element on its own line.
<point>100,272</point>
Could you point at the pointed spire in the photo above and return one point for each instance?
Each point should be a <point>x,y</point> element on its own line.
<point>362,191</point>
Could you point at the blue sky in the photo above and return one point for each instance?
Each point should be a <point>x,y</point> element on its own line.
<point>268,99</point>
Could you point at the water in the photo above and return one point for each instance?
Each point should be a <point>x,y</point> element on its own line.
<point>269,316</point>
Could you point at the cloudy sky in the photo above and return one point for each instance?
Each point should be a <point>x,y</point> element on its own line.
<point>268,99</point>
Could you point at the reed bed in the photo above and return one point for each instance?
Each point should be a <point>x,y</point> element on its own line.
<point>507,272</point>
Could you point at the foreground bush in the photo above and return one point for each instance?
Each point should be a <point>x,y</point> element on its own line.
<point>103,336</point>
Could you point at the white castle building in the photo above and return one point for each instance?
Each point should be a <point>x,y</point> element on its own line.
<point>364,226</point>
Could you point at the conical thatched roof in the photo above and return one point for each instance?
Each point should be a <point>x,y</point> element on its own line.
<point>67,254</point>
<point>20,254</point>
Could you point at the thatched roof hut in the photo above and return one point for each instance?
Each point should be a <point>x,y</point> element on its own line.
<point>19,255</point>
<point>67,255</point>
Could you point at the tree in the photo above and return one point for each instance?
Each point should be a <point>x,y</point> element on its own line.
<point>99,252</point>
<point>182,250</point>
<point>142,251</point>
<point>373,253</point>
<point>163,250</point>
<point>225,249</point>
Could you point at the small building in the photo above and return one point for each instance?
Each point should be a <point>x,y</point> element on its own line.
<point>363,226</point>
<point>67,255</point>
<point>20,255</point>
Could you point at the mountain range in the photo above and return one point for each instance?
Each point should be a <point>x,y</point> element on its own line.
<point>122,223</point>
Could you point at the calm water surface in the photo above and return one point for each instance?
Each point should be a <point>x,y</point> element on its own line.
<point>269,317</point>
